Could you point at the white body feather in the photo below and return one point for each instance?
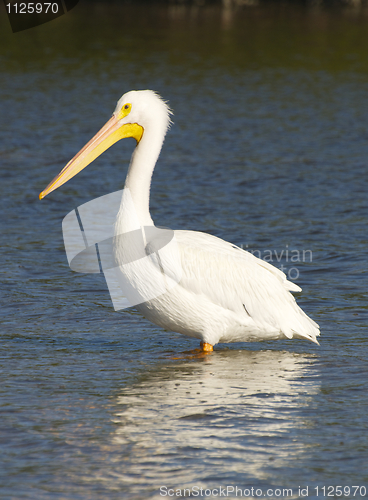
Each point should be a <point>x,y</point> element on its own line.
<point>225,294</point>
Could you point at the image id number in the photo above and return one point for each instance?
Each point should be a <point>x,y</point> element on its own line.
<point>32,8</point>
<point>341,491</point>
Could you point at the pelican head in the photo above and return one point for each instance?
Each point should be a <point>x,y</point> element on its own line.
<point>135,113</point>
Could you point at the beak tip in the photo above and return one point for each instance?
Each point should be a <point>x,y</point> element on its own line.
<point>41,196</point>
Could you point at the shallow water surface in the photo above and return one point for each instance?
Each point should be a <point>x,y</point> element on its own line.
<point>268,150</point>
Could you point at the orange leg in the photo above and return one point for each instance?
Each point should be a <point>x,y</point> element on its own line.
<point>206,347</point>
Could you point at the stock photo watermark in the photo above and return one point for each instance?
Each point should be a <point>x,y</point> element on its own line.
<point>286,255</point>
<point>25,15</point>
<point>232,491</point>
<point>141,263</point>
<point>94,244</point>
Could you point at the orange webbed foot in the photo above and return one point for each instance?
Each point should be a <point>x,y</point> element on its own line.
<point>206,347</point>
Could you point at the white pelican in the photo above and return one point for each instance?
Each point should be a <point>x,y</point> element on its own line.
<point>225,294</point>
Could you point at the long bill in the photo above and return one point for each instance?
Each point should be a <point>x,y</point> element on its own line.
<point>110,133</point>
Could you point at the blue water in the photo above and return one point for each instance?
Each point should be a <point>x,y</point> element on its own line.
<point>268,150</point>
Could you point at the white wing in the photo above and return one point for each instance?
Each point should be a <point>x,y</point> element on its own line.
<point>238,281</point>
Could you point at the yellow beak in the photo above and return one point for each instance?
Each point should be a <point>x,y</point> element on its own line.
<point>110,133</point>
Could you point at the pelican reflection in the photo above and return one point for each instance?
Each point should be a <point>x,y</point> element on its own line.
<point>239,407</point>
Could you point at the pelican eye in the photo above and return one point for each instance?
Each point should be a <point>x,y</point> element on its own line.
<point>125,110</point>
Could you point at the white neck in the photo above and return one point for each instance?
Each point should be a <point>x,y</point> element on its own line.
<point>138,181</point>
